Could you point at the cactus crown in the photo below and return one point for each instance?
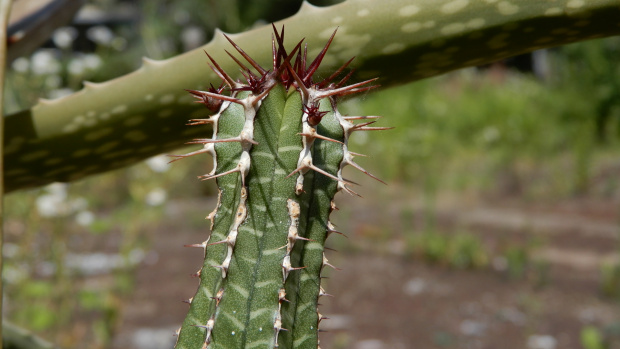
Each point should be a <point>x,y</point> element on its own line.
<point>298,75</point>
<point>279,146</point>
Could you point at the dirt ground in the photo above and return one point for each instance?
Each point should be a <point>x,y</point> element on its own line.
<point>384,298</point>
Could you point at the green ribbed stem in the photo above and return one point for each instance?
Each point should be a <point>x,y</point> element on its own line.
<point>249,304</point>
<point>278,155</point>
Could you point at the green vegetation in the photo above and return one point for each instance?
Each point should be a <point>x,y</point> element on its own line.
<point>491,133</point>
<point>506,134</point>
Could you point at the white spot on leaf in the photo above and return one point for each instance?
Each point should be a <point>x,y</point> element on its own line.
<point>119,109</point>
<point>69,128</point>
<point>166,99</point>
<point>575,4</point>
<point>453,28</point>
<point>408,11</point>
<point>411,27</point>
<point>553,11</point>
<point>393,48</point>
<point>454,6</point>
<point>506,8</point>
<point>475,23</point>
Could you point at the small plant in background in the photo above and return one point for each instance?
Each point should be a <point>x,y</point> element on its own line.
<point>593,338</point>
<point>517,261</point>
<point>458,250</point>
<point>610,280</point>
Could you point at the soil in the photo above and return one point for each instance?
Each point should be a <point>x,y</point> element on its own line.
<point>384,297</point>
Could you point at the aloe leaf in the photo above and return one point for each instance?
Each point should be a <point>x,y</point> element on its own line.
<point>122,121</point>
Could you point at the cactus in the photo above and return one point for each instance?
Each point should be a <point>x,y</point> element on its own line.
<point>120,122</point>
<point>279,146</point>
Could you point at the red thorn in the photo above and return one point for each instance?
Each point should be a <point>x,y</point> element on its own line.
<point>319,58</point>
<point>259,98</point>
<point>300,83</point>
<point>247,57</point>
<point>243,67</point>
<point>345,78</point>
<point>288,58</point>
<point>347,90</point>
<point>214,95</point>
<point>326,82</point>
<point>220,72</point>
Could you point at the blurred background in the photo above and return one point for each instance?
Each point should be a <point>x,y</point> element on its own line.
<point>499,227</point>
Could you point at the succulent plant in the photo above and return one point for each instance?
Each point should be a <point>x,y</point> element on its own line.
<point>128,119</point>
<point>279,146</point>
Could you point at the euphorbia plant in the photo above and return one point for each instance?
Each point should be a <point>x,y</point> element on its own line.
<point>279,147</point>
